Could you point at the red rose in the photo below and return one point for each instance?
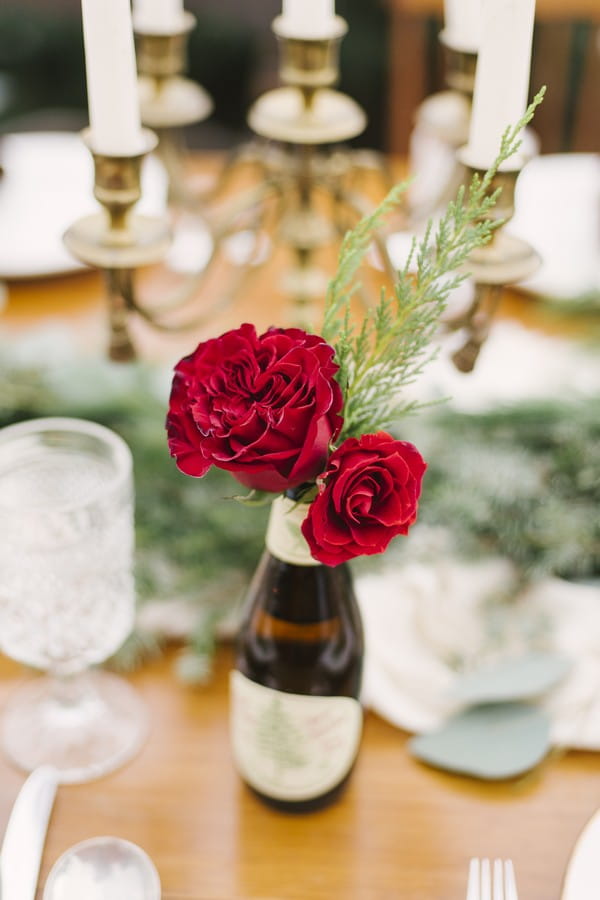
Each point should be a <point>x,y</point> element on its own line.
<point>263,408</point>
<point>368,494</point>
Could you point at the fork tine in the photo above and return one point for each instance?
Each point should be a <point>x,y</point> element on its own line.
<point>510,884</point>
<point>486,880</point>
<point>473,883</point>
<point>498,893</point>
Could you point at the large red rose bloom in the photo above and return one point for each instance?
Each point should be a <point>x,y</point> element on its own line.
<point>263,408</point>
<point>367,495</point>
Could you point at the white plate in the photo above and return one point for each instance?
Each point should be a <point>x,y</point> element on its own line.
<point>47,185</point>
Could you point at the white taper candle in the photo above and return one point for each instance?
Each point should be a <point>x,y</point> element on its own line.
<point>502,76</point>
<point>111,77</point>
<point>158,16</point>
<point>308,18</point>
<point>462,24</point>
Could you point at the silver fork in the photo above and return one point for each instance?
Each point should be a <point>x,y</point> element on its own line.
<point>486,883</point>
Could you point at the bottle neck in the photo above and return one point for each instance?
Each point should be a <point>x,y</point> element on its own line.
<point>284,539</point>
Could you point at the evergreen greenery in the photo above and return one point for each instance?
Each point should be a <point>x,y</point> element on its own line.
<point>389,349</point>
<point>521,482</point>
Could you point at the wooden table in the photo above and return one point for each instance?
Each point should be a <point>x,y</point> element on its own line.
<point>401,830</point>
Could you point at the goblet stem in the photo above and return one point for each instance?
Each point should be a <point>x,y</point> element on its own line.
<point>70,689</point>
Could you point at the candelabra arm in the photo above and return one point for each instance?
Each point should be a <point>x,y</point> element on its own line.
<point>171,153</point>
<point>478,322</point>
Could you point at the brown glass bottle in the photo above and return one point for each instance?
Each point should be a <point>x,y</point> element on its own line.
<point>301,634</point>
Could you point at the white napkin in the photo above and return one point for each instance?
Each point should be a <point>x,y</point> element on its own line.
<point>426,624</point>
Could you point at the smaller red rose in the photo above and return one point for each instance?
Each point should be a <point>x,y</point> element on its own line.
<point>367,495</point>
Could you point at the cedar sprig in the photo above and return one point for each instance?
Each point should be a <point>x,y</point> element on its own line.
<point>393,343</point>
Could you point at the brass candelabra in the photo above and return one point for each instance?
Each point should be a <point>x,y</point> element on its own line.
<point>297,175</point>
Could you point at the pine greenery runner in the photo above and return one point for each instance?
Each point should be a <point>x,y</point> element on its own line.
<point>521,482</point>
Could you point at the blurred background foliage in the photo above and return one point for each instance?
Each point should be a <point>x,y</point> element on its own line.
<point>391,59</point>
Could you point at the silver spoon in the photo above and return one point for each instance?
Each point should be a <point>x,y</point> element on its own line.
<point>103,868</point>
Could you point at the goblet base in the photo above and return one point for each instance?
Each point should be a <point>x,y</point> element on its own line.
<point>100,727</point>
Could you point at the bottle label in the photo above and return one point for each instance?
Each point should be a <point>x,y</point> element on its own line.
<point>292,747</point>
<point>284,538</point>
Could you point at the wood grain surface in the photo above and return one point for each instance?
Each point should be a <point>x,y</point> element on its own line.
<point>401,830</point>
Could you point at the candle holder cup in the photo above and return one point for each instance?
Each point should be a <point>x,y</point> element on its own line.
<point>116,237</point>
<point>305,110</point>
<point>459,67</point>
<point>168,100</point>
<point>309,63</point>
<point>162,55</point>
